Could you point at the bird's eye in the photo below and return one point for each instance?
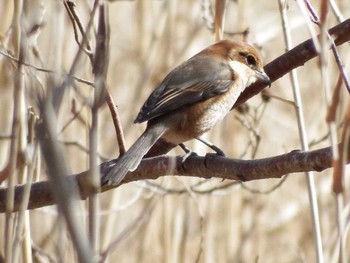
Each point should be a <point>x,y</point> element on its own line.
<point>251,61</point>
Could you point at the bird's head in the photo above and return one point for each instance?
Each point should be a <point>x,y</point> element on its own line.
<point>244,60</point>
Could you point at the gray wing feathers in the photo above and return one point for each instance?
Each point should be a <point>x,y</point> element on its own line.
<point>181,88</point>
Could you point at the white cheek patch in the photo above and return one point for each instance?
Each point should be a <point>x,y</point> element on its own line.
<point>244,73</point>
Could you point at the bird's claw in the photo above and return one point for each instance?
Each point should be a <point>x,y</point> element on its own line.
<point>217,150</point>
<point>187,155</point>
<point>184,157</point>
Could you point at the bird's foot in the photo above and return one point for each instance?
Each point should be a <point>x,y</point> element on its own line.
<point>188,153</point>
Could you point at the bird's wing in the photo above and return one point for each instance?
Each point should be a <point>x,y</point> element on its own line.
<point>196,80</point>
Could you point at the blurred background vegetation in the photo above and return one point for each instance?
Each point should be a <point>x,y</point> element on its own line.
<point>173,219</point>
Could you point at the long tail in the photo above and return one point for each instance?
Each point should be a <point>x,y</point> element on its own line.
<point>132,158</point>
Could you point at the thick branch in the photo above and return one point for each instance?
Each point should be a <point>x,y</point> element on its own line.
<point>219,167</point>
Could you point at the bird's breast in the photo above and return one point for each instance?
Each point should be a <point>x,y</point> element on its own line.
<point>208,113</point>
<point>200,117</point>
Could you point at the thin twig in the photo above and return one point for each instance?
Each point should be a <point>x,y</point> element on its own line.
<point>201,222</point>
<point>75,62</point>
<point>158,188</point>
<point>67,5</point>
<point>76,116</point>
<point>336,11</point>
<point>132,227</point>
<point>74,17</point>
<point>116,121</point>
<point>318,22</point>
<point>87,82</point>
<point>82,147</point>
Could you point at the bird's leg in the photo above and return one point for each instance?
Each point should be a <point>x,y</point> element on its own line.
<point>188,152</point>
<point>212,146</point>
<point>217,150</point>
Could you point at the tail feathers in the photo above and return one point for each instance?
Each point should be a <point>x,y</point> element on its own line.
<point>130,160</point>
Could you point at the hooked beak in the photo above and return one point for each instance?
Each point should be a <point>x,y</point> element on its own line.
<point>263,77</point>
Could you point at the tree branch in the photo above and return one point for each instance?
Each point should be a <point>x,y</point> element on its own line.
<point>218,167</point>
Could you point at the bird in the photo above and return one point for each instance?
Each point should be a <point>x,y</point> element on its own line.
<point>191,99</point>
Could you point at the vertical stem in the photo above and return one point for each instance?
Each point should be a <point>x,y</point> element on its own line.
<point>303,138</point>
<point>23,215</point>
<point>336,11</point>
<point>94,204</point>
<point>62,186</point>
<point>220,10</point>
<point>15,132</point>
<point>100,66</point>
<point>340,224</point>
<point>325,41</point>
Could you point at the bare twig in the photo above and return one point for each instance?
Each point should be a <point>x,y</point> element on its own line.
<point>116,121</point>
<point>158,188</point>
<point>132,227</point>
<point>87,82</point>
<point>76,21</point>
<point>321,23</point>
<point>336,11</point>
<point>76,116</point>
<point>60,90</point>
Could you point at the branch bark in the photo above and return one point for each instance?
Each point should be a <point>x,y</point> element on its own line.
<point>220,167</point>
